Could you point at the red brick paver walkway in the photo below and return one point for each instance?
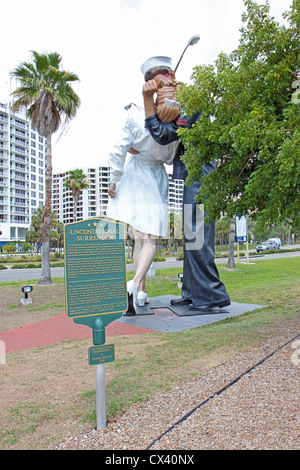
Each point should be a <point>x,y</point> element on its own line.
<point>58,329</point>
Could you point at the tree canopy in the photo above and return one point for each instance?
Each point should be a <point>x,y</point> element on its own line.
<point>45,92</point>
<point>250,123</point>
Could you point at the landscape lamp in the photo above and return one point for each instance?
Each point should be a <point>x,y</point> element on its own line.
<point>26,290</point>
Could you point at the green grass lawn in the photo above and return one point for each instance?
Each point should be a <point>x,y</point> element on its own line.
<point>274,283</point>
<point>145,364</point>
<point>260,282</point>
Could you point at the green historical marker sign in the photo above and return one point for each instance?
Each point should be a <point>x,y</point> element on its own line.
<point>96,288</point>
<point>95,273</point>
<point>101,354</point>
<point>95,265</point>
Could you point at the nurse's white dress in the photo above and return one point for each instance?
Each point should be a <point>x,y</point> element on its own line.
<point>142,181</point>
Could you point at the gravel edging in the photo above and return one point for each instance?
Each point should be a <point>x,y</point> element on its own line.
<point>259,412</point>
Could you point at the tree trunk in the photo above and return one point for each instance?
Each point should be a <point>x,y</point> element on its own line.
<point>76,200</point>
<point>46,274</point>
<point>231,262</point>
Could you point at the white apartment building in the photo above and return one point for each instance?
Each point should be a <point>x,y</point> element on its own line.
<point>175,196</point>
<point>22,173</point>
<point>93,201</point>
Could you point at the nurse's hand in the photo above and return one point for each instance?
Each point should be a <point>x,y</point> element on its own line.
<point>112,190</point>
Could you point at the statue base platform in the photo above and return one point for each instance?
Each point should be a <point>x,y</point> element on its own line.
<point>160,315</point>
<point>164,302</point>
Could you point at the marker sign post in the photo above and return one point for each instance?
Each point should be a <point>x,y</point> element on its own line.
<point>96,288</point>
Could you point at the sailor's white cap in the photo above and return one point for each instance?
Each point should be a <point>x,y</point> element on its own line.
<point>158,61</point>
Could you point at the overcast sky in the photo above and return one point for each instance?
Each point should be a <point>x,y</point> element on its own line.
<point>105,43</point>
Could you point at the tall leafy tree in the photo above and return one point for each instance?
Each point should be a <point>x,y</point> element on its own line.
<point>45,91</point>
<point>250,123</point>
<point>76,182</point>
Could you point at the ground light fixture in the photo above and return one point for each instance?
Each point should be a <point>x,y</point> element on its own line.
<point>26,290</point>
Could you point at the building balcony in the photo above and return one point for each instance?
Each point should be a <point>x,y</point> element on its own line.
<point>19,158</point>
<point>19,204</point>
<point>19,220</point>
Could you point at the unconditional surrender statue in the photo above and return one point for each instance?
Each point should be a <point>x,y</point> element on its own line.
<point>138,193</point>
<point>202,289</point>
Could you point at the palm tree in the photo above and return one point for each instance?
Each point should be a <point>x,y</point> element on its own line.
<point>35,233</point>
<point>50,101</point>
<point>76,182</point>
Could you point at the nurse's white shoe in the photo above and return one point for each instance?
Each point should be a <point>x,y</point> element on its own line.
<point>142,299</point>
<point>132,298</point>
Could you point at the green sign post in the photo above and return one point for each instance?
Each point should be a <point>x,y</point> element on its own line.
<point>96,287</point>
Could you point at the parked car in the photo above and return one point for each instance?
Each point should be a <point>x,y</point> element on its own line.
<point>277,241</point>
<point>266,246</point>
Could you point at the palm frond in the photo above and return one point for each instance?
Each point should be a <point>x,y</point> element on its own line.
<point>54,59</point>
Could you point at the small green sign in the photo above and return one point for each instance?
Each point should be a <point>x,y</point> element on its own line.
<point>95,268</point>
<point>101,354</point>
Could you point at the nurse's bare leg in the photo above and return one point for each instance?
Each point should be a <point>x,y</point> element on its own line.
<point>146,251</point>
<point>145,260</point>
<point>138,245</point>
